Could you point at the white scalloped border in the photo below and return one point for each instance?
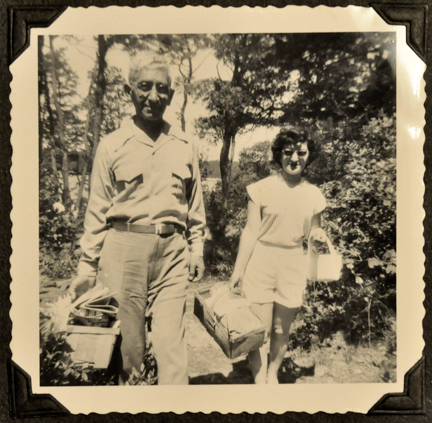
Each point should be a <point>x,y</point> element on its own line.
<point>331,398</point>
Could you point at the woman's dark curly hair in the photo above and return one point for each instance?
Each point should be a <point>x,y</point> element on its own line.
<point>290,136</point>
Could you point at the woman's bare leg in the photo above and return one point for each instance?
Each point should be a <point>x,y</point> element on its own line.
<point>282,319</point>
<point>258,358</point>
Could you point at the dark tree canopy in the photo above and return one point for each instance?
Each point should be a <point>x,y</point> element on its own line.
<point>278,79</point>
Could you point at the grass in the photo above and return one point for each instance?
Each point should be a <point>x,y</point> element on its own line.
<point>333,361</point>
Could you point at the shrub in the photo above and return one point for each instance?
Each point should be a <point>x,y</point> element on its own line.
<point>56,366</point>
<point>58,228</point>
<point>226,225</point>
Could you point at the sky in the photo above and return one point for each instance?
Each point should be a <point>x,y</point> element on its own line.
<point>81,56</point>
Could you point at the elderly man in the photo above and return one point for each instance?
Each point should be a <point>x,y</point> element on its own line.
<point>144,224</point>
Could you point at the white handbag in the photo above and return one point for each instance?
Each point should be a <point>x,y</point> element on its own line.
<point>324,267</point>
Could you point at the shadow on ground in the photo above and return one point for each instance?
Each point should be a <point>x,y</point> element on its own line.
<point>241,375</point>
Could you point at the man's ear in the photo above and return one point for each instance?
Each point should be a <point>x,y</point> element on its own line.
<point>170,96</point>
<point>127,89</point>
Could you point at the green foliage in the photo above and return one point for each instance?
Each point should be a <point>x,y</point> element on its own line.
<point>58,369</point>
<point>56,365</point>
<point>360,219</point>
<point>227,224</point>
<point>147,374</point>
<point>280,79</point>
<point>57,229</point>
<point>59,265</point>
<point>68,98</point>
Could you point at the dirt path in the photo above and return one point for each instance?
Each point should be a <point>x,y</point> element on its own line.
<point>335,363</point>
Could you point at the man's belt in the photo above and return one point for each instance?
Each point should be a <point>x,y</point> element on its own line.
<point>159,229</point>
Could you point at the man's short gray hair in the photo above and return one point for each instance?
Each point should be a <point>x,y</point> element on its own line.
<point>147,60</point>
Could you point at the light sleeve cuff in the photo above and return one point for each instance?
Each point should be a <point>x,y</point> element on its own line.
<point>254,194</point>
<point>87,268</point>
<point>197,248</point>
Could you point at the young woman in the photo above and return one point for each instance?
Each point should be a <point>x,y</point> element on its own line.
<point>283,210</point>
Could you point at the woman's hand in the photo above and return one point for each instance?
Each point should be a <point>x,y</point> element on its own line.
<point>317,238</point>
<point>236,280</point>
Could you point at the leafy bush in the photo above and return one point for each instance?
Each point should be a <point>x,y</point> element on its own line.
<point>148,371</point>
<point>58,369</point>
<point>56,366</point>
<point>58,265</point>
<point>226,225</point>
<point>360,219</point>
<point>58,228</point>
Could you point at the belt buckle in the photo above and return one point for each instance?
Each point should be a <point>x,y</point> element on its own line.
<point>159,229</point>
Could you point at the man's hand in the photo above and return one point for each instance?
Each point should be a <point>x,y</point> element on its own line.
<point>80,285</point>
<point>317,238</point>
<point>196,268</point>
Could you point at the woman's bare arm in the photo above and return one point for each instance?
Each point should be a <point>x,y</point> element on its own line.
<point>317,236</point>
<point>247,243</point>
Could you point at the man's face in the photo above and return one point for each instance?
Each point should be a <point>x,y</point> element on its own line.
<point>151,93</point>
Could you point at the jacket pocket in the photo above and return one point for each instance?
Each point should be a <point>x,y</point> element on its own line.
<point>181,172</point>
<point>129,177</point>
<point>181,176</point>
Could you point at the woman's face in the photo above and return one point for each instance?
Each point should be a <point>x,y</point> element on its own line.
<point>294,158</point>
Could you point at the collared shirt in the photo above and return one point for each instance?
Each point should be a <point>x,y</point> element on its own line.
<point>141,181</point>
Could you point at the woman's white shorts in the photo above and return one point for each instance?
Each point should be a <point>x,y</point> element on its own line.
<point>276,274</point>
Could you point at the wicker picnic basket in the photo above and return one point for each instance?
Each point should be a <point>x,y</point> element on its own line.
<point>233,344</point>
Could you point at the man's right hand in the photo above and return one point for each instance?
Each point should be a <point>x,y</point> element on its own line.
<point>80,285</point>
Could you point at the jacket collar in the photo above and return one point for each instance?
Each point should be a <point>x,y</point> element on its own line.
<point>168,133</point>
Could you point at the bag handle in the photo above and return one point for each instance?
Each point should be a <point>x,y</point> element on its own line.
<point>332,250</point>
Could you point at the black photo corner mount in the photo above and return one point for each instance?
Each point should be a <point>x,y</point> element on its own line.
<point>21,19</point>
<point>23,403</point>
<point>411,400</point>
<point>414,17</point>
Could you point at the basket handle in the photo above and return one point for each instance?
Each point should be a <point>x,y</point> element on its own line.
<point>332,250</point>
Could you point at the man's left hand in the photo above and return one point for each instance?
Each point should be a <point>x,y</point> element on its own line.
<point>196,268</point>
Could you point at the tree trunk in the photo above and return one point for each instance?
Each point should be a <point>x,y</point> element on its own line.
<point>54,163</point>
<point>103,46</point>
<point>182,111</point>
<point>88,155</point>
<point>232,152</point>
<point>43,86</point>
<point>230,131</point>
<point>81,187</point>
<point>186,81</point>
<point>226,165</point>
<point>41,78</point>
<point>66,200</point>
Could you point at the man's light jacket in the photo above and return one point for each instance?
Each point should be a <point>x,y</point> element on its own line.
<point>140,181</point>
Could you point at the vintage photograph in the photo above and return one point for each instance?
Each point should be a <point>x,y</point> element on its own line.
<point>225,217</point>
<point>182,250</point>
